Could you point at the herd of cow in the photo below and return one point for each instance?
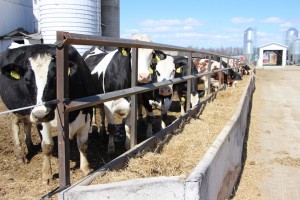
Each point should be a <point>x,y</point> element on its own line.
<point>28,77</point>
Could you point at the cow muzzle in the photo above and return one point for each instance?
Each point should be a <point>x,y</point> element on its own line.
<point>165,91</point>
<point>144,77</point>
<point>38,114</point>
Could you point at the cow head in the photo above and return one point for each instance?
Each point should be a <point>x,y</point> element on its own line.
<point>163,71</point>
<point>17,82</point>
<point>28,77</point>
<point>145,58</point>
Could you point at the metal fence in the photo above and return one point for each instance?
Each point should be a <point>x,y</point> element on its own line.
<point>65,105</point>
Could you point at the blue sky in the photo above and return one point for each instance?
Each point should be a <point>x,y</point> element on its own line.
<point>211,23</point>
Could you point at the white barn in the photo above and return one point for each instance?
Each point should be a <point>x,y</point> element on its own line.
<point>272,54</point>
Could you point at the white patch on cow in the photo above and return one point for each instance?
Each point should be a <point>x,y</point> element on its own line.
<point>14,45</point>
<point>78,124</point>
<point>145,55</point>
<point>102,66</point>
<point>96,51</point>
<point>40,66</point>
<point>166,71</point>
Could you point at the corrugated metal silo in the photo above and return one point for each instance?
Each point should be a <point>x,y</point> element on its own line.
<point>110,19</point>
<point>249,40</point>
<point>75,16</point>
<point>296,51</point>
<point>291,35</point>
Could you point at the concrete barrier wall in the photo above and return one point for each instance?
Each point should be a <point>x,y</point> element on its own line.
<point>213,178</point>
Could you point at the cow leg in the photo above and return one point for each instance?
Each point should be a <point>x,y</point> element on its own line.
<point>206,86</point>
<point>111,127</point>
<point>194,99</point>
<point>128,133</point>
<point>122,107</point>
<point>82,144</point>
<point>28,140</point>
<point>15,129</point>
<point>140,113</point>
<point>47,148</point>
<point>166,103</point>
<point>94,120</point>
<point>102,119</point>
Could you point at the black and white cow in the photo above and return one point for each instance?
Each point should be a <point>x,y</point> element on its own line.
<point>181,65</point>
<point>162,98</point>
<point>28,77</point>
<point>111,72</point>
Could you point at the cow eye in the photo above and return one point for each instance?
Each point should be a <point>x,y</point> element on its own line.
<point>157,72</point>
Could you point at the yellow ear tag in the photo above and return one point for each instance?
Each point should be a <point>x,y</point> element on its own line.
<point>69,71</point>
<point>182,99</point>
<point>150,70</point>
<point>15,75</point>
<point>179,70</point>
<point>124,52</point>
<point>157,59</point>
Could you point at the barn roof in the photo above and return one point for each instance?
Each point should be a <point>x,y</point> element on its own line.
<point>21,32</point>
<point>273,43</point>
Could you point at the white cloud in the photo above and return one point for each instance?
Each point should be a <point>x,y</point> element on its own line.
<point>286,25</point>
<point>272,20</point>
<point>239,20</point>
<point>192,22</point>
<point>151,22</point>
<point>171,22</point>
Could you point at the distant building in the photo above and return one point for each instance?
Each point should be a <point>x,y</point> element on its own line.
<point>272,54</point>
<point>17,23</point>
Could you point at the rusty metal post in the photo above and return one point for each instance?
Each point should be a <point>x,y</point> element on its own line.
<point>189,83</point>
<point>62,86</point>
<point>134,104</point>
<point>219,73</point>
<point>208,77</point>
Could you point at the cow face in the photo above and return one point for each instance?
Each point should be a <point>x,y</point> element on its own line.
<point>44,68</point>
<point>28,77</point>
<point>163,71</point>
<point>145,58</point>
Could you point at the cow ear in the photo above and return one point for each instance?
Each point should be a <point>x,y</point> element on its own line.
<point>125,51</point>
<point>13,71</point>
<point>72,67</point>
<point>159,55</point>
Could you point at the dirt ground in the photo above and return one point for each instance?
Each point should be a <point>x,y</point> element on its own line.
<point>272,167</point>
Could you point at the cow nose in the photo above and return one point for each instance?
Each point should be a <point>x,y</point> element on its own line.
<point>165,91</point>
<point>144,78</point>
<point>38,113</point>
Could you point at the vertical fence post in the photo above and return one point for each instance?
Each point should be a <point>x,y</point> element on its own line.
<point>219,73</point>
<point>208,77</point>
<point>133,108</point>
<point>189,83</point>
<point>62,86</point>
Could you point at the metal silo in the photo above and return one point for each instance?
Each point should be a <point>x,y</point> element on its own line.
<point>291,35</point>
<point>75,16</point>
<point>249,41</point>
<point>296,51</point>
<point>110,19</point>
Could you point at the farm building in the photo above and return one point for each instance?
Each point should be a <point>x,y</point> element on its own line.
<point>272,54</point>
<point>36,21</point>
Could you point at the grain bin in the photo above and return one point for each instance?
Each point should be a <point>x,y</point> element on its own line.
<point>110,19</point>
<point>296,51</point>
<point>291,35</point>
<point>75,16</point>
<point>249,41</point>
